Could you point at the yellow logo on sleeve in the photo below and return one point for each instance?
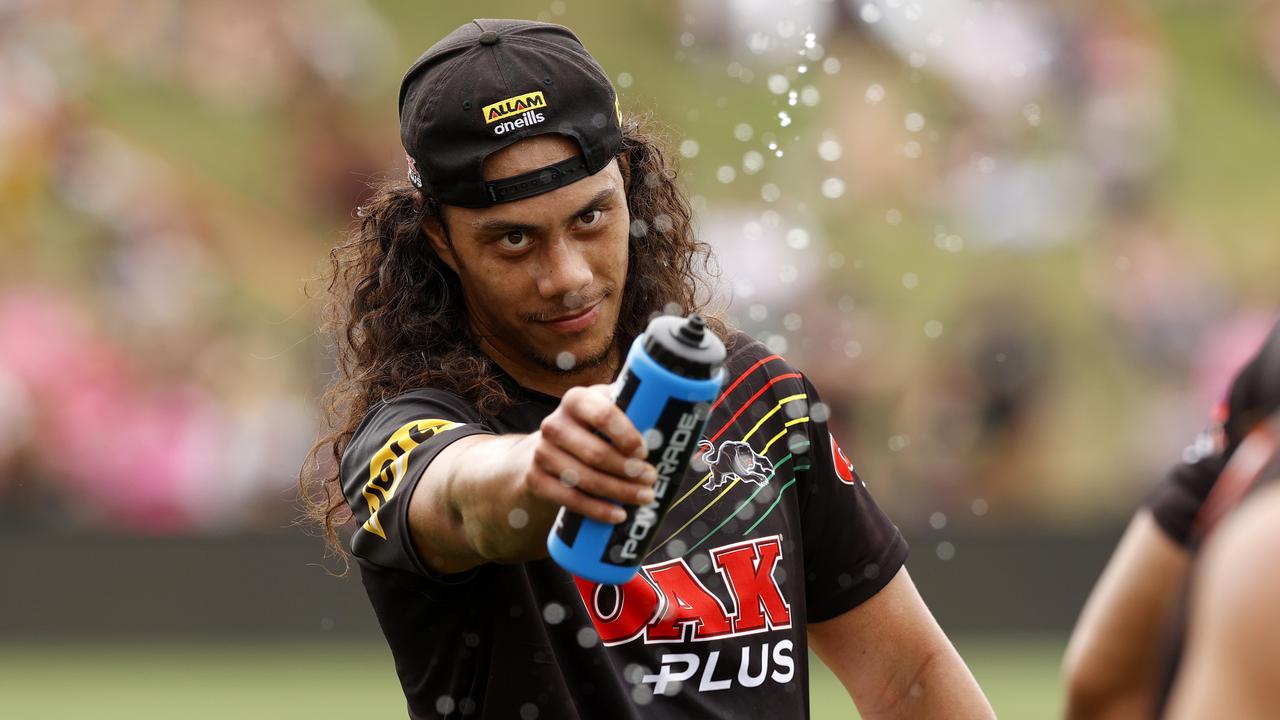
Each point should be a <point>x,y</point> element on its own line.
<point>513,106</point>
<point>389,464</point>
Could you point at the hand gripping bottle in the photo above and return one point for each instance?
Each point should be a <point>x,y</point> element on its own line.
<point>672,375</point>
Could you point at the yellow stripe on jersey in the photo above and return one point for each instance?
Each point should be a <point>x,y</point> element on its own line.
<point>388,466</point>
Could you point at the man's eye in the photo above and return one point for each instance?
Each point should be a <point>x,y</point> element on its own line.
<point>591,217</point>
<point>514,241</point>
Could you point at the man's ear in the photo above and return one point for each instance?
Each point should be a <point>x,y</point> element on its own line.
<point>433,226</point>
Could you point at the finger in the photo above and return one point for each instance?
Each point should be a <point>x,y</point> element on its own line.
<point>548,487</point>
<point>596,409</point>
<point>574,473</point>
<point>592,450</point>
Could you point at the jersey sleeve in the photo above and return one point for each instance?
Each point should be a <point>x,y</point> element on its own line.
<point>851,549</point>
<point>384,463</point>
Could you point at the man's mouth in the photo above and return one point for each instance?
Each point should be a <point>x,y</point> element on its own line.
<point>578,320</point>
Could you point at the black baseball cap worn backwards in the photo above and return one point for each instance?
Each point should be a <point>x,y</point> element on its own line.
<point>492,83</point>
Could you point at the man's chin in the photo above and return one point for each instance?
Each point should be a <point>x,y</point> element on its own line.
<point>584,355</point>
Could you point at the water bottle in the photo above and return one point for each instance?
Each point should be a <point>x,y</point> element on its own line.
<point>672,375</point>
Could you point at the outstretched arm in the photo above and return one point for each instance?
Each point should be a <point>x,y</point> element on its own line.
<point>895,661</point>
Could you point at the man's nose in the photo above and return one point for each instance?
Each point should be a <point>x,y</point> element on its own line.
<point>563,271</point>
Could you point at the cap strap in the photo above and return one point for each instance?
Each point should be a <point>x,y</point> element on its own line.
<point>538,181</point>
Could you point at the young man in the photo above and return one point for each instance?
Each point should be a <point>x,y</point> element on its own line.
<point>481,311</point>
<point>1127,652</point>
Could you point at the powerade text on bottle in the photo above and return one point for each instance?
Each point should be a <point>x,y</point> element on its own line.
<point>672,375</point>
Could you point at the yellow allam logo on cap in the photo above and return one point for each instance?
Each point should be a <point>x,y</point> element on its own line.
<point>513,106</point>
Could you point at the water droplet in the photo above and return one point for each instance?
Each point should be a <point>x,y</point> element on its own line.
<point>912,149</point>
<point>788,273</point>
<point>979,507</point>
<point>566,360</point>
<point>743,132</point>
<point>798,238</point>
<point>686,39</point>
<point>752,162</point>
<point>653,438</point>
<point>663,223</point>
<point>898,443</point>
<point>1032,113</point>
<point>517,518</point>
<point>913,11</point>
<point>783,118</point>
<point>588,637</point>
<point>810,96</point>
<point>870,13</point>
<point>933,329</point>
<point>946,550</point>
<point>792,98</point>
<point>528,711</point>
<point>910,281</point>
<point>893,216</point>
<point>558,7</point>
<point>830,150</point>
<point>853,349</point>
<point>770,192</point>
<point>726,174</point>
<point>777,344</point>
<point>875,93</point>
<point>831,66</point>
<point>914,122</point>
<point>445,705</point>
<point>793,322</point>
<point>938,520</point>
<point>639,228</point>
<point>778,84</point>
<point>677,548</point>
<point>643,694</point>
<point>625,80</point>
<point>689,148</point>
<point>832,188</point>
<point>835,259</point>
<point>819,412</point>
<point>553,613</point>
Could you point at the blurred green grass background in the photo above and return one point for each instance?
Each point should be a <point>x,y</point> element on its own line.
<point>308,681</point>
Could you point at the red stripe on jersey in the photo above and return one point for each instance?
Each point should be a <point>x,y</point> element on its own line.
<point>750,400</point>
<point>742,377</point>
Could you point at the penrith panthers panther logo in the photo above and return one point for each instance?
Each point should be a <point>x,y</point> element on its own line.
<point>734,460</point>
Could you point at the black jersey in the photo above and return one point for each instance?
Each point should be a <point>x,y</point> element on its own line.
<point>713,625</point>
<point>1228,464</point>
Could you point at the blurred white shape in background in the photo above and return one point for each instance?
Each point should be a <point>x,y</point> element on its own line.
<point>769,28</point>
<point>761,258</point>
<point>997,55</point>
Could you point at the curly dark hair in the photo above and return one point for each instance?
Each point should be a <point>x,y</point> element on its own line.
<point>397,321</point>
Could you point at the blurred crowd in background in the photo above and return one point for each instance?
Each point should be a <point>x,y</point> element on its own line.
<point>1019,247</point>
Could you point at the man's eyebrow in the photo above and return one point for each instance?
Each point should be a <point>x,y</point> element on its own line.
<point>594,202</point>
<point>498,224</point>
